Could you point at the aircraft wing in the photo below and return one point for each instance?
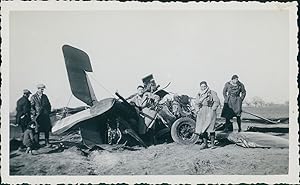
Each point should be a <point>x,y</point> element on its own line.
<point>66,123</point>
<point>254,139</point>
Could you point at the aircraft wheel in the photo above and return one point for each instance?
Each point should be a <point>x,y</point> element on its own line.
<point>182,131</point>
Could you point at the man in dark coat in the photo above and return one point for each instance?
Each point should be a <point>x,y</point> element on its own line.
<point>40,110</point>
<point>23,110</point>
<point>234,93</point>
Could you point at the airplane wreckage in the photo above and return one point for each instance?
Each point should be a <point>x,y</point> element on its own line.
<point>117,121</point>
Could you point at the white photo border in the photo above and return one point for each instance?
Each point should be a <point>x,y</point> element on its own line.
<point>293,174</point>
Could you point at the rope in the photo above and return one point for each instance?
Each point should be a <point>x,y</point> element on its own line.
<point>98,83</point>
<point>66,108</point>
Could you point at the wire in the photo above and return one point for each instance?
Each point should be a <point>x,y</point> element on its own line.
<point>98,83</point>
<point>69,100</point>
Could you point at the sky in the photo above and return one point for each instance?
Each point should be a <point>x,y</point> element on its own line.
<point>183,47</point>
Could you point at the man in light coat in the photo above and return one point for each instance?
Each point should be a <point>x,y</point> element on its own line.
<point>207,102</point>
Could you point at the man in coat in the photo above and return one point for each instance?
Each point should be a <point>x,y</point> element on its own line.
<point>234,93</point>
<point>207,102</point>
<point>23,110</point>
<point>40,110</point>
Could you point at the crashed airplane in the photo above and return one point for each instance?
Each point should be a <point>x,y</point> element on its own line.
<point>116,121</point>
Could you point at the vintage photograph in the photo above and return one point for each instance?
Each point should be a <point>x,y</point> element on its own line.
<point>144,90</point>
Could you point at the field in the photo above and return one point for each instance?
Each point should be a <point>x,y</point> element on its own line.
<point>268,112</point>
<point>271,112</point>
<point>164,159</point>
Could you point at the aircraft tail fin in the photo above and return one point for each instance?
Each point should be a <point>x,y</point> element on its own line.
<point>77,64</point>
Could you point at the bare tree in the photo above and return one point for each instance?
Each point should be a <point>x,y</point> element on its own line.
<point>247,102</point>
<point>258,101</point>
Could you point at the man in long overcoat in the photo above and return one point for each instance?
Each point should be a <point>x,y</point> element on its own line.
<point>40,109</point>
<point>207,102</point>
<point>23,110</point>
<point>234,93</point>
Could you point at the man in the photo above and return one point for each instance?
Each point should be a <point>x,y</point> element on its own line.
<point>144,99</point>
<point>40,110</point>
<point>234,93</point>
<point>28,139</point>
<point>143,102</point>
<point>138,100</point>
<point>207,102</point>
<point>23,110</point>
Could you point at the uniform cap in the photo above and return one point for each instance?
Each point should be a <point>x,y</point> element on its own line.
<point>26,91</point>
<point>41,86</point>
<point>234,77</point>
<point>203,82</point>
<point>140,86</point>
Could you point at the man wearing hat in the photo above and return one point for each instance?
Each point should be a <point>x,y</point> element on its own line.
<point>23,110</point>
<point>234,93</point>
<point>40,110</point>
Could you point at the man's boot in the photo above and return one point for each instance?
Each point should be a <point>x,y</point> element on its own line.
<point>238,120</point>
<point>36,138</point>
<point>204,139</point>
<point>46,141</point>
<point>228,125</point>
<point>212,139</point>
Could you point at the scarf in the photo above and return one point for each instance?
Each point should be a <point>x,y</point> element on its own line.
<point>203,94</point>
<point>234,84</point>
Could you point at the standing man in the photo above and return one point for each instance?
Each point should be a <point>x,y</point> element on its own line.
<point>23,110</point>
<point>234,93</point>
<point>40,109</point>
<point>207,102</point>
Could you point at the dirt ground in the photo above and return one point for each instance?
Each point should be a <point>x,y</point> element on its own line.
<point>164,159</point>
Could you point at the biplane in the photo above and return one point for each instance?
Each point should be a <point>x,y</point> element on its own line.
<point>115,120</point>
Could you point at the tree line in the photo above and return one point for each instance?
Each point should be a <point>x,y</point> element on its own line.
<point>257,101</point>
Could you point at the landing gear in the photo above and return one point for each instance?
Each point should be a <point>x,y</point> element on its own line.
<point>182,131</point>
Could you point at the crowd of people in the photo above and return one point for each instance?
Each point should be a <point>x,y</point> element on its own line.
<point>33,114</point>
<point>33,117</point>
<point>206,105</point>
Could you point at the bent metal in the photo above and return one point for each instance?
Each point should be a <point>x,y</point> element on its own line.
<point>115,120</point>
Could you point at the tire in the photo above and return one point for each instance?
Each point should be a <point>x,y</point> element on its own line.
<point>182,131</point>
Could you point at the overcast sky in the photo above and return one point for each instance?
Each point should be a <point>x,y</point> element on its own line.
<point>177,46</point>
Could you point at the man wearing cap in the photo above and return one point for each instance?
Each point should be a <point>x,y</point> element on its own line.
<point>23,110</point>
<point>40,110</point>
<point>234,93</point>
